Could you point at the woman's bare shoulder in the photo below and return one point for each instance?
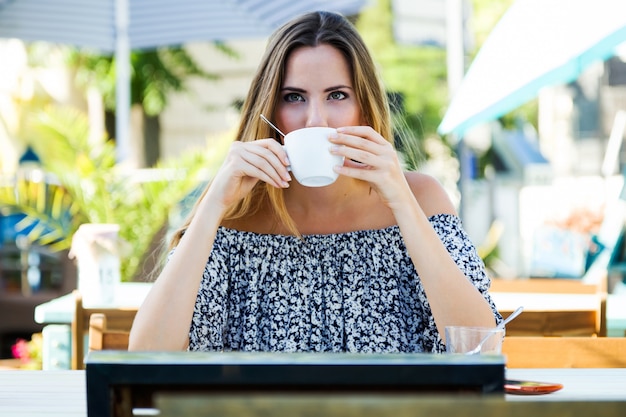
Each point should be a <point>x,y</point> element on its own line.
<point>431,196</point>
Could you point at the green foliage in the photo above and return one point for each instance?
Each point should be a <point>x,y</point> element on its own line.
<point>155,73</point>
<point>418,73</point>
<point>91,188</point>
<point>84,184</point>
<point>51,215</point>
<point>486,14</point>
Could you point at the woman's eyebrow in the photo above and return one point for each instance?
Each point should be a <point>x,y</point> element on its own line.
<point>294,89</point>
<point>338,87</point>
<point>301,90</point>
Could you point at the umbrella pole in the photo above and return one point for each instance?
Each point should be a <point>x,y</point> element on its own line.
<point>455,62</point>
<point>455,50</point>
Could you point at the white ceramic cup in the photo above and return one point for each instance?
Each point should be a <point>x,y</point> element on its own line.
<point>464,339</point>
<point>311,162</point>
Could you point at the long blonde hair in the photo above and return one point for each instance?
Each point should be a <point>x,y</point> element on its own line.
<point>311,29</point>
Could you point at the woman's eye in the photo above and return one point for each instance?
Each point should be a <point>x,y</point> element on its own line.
<point>293,97</point>
<point>336,95</point>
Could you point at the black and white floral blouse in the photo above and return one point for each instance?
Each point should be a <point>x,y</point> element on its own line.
<point>346,292</point>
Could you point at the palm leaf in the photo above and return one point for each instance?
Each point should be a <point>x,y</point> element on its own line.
<point>88,187</point>
<point>47,208</point>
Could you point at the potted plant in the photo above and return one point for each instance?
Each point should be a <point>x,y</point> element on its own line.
<point>83,184</point>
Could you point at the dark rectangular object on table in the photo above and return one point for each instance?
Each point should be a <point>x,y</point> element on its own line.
<point>119,381</point>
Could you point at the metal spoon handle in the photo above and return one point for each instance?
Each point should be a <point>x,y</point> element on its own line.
<point>272,125</point>
<point>500,326</point>
<point>511,316</point>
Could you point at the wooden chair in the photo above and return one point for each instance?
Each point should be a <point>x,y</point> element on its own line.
<point>565,352</point>
<point>570,322</point>
<point>117,318</point>
<point>103,338</point>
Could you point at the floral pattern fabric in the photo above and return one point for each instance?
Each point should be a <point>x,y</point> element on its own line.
<point>346,292</point>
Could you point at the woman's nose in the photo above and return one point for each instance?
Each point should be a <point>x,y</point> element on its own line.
<point>316,116</point>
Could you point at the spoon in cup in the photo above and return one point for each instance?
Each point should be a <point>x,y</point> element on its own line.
<point>265,119</point>
<point>500,326</point>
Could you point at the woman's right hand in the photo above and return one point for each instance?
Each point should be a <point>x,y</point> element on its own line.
<point>245,164</point>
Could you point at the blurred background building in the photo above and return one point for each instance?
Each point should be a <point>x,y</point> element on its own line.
<point>544,176</point>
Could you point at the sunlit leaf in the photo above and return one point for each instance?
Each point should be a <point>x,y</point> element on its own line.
<point>88,187</point>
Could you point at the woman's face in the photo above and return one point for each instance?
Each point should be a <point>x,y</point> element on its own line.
<point>317,90</point>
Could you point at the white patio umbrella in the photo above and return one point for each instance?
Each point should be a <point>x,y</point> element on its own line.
<point>537,43</point>
<point>119,26</point>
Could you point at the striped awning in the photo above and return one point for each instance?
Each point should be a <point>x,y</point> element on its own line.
<point>117,26</point>
<point>152,23</point>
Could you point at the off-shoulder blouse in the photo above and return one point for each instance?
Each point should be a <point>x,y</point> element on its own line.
<point>344,292</point>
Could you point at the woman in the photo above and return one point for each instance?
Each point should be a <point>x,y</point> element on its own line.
<point>375,262</point>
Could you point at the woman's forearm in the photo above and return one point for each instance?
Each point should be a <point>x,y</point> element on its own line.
<point>163,321</point>
<point>453,298</point>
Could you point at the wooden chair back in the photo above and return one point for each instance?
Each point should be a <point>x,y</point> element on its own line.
<point>545,285</point>
<point>101,337</point>
<point>551,322</point>
<point>117,318</point>
<point>565,352</point>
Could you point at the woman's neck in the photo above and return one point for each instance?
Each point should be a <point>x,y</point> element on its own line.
<point>347,205</point>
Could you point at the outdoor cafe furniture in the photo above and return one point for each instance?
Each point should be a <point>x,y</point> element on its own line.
<point>103,337</point>
<point>586,392</point>
<point>58,315</point>
<point>195,405</point>
<point>120,381</point>
<point>552,306</point>
<point>564,352</point>
<point>112,318</point>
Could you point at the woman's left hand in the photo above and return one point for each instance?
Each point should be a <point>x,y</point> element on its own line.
<point>378,162</point>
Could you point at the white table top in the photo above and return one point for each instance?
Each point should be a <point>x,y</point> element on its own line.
<point>43,394</point>
<point>509,301</point>
<point>578,384</point>
<point>63,393</point>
